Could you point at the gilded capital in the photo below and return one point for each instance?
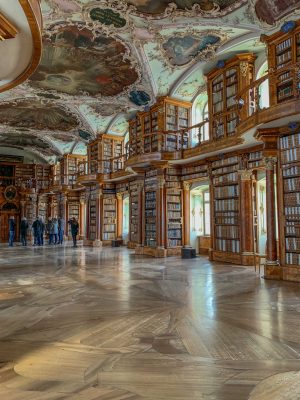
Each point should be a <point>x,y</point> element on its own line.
<point>270,163</point>
<point>186,186</point>
<point>245,174</point>
<point>120,196</point>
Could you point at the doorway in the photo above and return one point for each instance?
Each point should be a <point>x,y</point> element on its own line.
<point>125,232</point>
<point>200,223</point>
<point>8,210</point>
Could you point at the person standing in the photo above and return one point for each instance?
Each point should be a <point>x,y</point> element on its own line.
<point>23,231</point>
<point>61,230</point>
<point>55,230</point>
<point>49,228</point>
<point>36,227</point>
<point>12,230</point>
<point>42,227</point>
<point>74,230</point>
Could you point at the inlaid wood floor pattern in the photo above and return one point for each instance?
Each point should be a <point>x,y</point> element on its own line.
<point>89,324</point>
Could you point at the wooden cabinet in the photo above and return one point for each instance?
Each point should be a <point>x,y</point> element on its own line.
<point>167,116</point>
<point>223,85</point>
<point>105,154</point>
<point>283,54</point>
<point>290,199</point>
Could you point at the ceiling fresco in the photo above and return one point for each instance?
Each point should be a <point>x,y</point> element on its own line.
<point>208,6</point>
<point>74,61</point>
<point>272,11</point>
<point>105,60</point>
<point>34,114</point>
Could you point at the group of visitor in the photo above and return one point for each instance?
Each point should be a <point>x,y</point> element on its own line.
<point>55,229</point>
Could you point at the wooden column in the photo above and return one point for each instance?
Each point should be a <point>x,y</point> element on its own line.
<point>246,216</point>
<point>97,242</point>
<point>272,259</point>
<point>119,216</point>
<point>22,204</point>
<point>82,221</point>
<point>186,214</point>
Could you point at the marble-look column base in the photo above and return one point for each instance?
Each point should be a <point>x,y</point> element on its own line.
<point>92,243</point>
<point>273,272</point>
<point>157,252</point>
<point>247,259</point>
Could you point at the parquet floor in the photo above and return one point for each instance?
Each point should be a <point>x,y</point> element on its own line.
<point>91,324</point>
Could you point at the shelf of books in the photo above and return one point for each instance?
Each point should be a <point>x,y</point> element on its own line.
<point>290,175</point>
<point>109,222</point>
<point>92,210</point>
<point>283,53</point>
<point>42,175</point>
<point>151,185</point>
<point>255,160</point>
<point>196,172</point>
<point>174,221</point>
<point>223,85</point>
<point>94,156</point>
<point>25,171</point>
<point>226,209</point>
<point>135,209</point>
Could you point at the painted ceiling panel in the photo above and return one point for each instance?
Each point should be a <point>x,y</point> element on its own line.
<point>104,60</point>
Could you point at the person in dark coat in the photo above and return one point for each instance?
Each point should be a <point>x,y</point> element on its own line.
<point>12,230</point>
<point>42,231</point>
<point>74,230</point>
<point>23,231</point>
<point>37,229</point>
<point>61,230</point>
<point>49,229</point>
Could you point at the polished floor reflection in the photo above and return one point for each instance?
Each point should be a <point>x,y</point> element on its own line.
<point>91,324</point>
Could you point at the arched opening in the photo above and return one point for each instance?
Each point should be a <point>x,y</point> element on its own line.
<point>200,217</point>
<point>125,233</point>
<point>200,114</point>
<point>264,95</point>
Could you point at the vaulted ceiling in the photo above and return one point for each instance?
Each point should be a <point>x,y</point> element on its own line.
<point>104,60</point>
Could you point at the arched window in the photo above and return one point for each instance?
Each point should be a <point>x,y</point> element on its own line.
<point>264,98</point>
<point>200,114</point>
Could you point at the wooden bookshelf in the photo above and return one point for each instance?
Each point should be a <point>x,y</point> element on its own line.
<point>151,185</point>
<point>283,54</point>
<point>135,210</point>
<point>226,209</point>
<point>290,181</point>
<point>195,172</point>
<point>166,115</point>
<point>174,219</point>
<point>223,85</point>
<point>109,212</point>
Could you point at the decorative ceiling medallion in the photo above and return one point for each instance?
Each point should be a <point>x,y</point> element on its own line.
<point>84,134</point>
<point>107,16</point>
<point>205,8</point>
<point>80,61</point>
<point>7,30</point>
<point>34,114</point>
<point>139,98</point>
<point>272,11</point>
<point>186,48</point>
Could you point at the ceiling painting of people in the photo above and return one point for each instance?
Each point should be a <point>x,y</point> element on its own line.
<point>33,114</point>
<point>22,141</point>
<point>271,11</point>
<point>208,6</point>
<point>75,62</point>
<point>181,50</point>
<point>107,109</point>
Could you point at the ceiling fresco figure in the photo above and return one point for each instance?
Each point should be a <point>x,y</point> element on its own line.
<point>33,114</point>
<point>75,62</point>
<point>158,7</point>
<point>271,11</point>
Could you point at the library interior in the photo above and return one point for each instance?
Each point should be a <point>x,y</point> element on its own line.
<point>149,199</point>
